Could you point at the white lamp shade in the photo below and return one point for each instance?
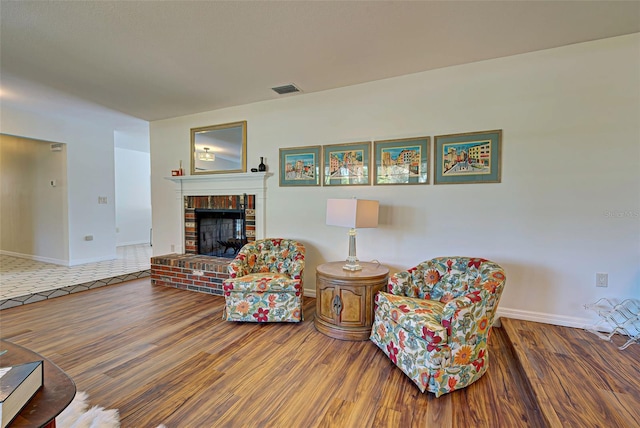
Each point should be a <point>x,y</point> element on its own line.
<point>353,213</point>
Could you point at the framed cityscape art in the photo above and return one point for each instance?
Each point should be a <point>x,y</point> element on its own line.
<point>347,164</point>
<point>473,157</point>
<point>404,161</point>
<point>300,166</point>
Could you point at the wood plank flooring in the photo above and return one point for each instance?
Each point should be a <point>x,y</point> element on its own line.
<point>578,380</point>
<point>162,355</point>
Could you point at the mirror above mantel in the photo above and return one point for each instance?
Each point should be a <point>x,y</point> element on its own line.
<point>219,149</point>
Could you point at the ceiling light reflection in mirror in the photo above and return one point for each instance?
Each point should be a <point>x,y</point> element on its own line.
<point>219,148</point>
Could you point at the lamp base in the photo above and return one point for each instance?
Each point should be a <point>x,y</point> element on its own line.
<point>352,261</point>
<point>352,265</point>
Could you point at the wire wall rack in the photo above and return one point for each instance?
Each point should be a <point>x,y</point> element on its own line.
<point>616,318</point>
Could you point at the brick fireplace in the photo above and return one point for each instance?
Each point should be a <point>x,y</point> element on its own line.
<point>236,203</point>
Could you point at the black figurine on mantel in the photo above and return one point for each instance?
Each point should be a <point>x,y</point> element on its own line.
<point>262,166</point>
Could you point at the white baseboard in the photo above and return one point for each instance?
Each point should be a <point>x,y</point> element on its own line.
<point>35,258</point>
<point>74,262</point>
<point>140,242</point>
<point>544,318</point>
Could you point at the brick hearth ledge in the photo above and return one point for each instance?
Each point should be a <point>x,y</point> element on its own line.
<point>190,272</point>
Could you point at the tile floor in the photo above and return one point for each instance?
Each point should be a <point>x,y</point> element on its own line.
<point>25,281</point>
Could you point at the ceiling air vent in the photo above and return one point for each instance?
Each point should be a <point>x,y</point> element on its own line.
<point>286,89</point>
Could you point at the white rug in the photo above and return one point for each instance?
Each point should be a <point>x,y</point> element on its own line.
<point>78,415</point>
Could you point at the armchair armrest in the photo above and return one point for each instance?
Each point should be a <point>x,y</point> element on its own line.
<point>473,313</point>
<point>399,283</point>
<point>463,316</point>
<point>296,266</point>
<point>409,283</point>
<point>239,266</point>
<point>468,321</point>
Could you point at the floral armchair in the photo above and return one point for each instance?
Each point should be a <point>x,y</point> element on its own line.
<point>434,322</point>
<point>265,282</point>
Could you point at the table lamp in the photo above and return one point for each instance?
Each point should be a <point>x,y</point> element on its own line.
<point>354,214</point>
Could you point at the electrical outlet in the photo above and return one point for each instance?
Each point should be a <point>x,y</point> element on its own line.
<point>102,199</point>
<point>602,279</point>
<point>173,248</point>
<point>88,238</point>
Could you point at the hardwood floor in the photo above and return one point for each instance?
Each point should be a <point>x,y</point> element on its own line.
<point>163,355</point>
<point>578,380</point>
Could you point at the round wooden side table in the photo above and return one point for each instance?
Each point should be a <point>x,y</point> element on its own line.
<point>56,393</point>
<point>345,299</point>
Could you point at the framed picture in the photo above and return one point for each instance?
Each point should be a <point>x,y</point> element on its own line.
<point>402,161</point>
<point>473,157</point>
<point>347,164</point>
<point>300,166</point>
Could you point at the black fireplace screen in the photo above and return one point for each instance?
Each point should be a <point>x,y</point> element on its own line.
<point>220,233</point>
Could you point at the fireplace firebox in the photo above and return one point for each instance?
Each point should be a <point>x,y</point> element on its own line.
<point>218,225</point>
<point>220,232</point>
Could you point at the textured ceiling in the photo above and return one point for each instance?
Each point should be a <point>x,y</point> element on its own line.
<point>160,59</point>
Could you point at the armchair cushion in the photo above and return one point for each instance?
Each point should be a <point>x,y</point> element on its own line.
<point>420,317</point>
<point>261,282</point>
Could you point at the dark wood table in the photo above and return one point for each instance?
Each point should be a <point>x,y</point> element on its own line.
<point>55,395</point>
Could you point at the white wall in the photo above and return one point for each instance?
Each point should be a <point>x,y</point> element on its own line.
<point>568,205</point>
<point>90,173</point>
<point>133,197</point>
<point>33,212</point>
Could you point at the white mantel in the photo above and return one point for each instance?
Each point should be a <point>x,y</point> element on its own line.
<point>254,179</point>
<point>251,183</point>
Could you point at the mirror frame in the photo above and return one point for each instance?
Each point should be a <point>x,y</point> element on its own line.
<point>243,147</point>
